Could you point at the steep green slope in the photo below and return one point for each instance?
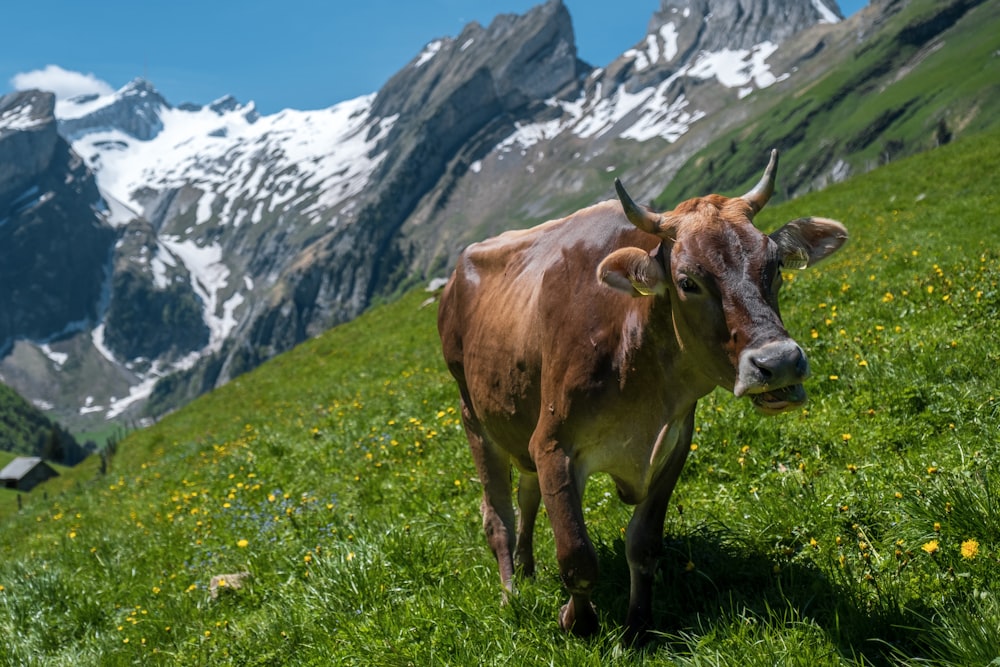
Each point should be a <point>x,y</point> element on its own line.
<point>930,75</point>
<point>863,529</point>
<point>25,430</point>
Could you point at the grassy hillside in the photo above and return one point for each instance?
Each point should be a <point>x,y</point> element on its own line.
<point>929,76</point>
<point>863,529</point>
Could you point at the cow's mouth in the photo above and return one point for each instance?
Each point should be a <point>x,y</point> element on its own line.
<point>779,400</point>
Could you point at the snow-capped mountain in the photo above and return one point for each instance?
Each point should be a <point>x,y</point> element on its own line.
<point>239,235</point>
<point>198,175</point>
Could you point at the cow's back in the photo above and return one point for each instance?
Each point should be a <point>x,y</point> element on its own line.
<point>527,305</point>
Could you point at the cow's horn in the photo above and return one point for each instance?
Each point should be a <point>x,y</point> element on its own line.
<point>761,193</point>
<point>642,218</point>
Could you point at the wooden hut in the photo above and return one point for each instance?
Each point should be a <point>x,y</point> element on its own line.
<point>25,473</point>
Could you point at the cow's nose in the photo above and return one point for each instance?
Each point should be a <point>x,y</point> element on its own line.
<point>771,366</point>
<point>778,361</point>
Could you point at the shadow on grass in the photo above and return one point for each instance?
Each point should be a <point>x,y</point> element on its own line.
<point>708,583</point>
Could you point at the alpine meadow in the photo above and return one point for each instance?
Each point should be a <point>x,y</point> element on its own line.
<point>863,529</point>
<point>249,290</point>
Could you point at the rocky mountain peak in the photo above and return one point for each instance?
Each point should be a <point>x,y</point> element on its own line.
<point>141,88</point>
<point>709,25</point>
<point>28,139</point>
<point>135,109</point>
<point>517,59</point>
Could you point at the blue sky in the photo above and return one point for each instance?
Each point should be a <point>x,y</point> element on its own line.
<point>300,54</point>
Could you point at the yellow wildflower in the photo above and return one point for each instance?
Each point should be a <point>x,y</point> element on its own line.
<point>931,547</point>
<point>970,549</point>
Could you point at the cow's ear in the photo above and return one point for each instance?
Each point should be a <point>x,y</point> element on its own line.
<point>805,241</point>
<point>633,271</point>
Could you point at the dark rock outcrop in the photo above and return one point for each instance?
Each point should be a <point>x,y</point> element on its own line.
<point>151,317</point>
<point>55,246</point>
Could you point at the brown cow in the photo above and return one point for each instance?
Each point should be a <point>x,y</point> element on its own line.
<point>583,344</point>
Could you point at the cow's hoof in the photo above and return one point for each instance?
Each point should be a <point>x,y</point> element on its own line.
<point>582,623</point>
<point>637,637</point>
<point>638,630</point>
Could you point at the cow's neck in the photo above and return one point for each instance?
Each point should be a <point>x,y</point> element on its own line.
<point>658,372</point>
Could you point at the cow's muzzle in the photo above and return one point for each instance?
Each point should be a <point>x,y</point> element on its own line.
<point>772,374</point>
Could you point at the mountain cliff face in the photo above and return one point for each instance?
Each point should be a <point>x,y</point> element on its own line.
<point>207,239</point>
<point>54,241</point>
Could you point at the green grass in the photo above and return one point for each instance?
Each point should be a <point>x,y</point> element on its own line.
<point>338,475</point>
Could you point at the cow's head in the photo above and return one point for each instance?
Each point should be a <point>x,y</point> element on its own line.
<point>721,276</point>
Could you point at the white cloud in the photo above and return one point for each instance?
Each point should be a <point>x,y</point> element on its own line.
<point>64,83</point>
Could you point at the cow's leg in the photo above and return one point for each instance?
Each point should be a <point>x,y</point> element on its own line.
<point>644,538</point>
<point>529,496</point>
<point>562,490</point>
<point>493,466</point>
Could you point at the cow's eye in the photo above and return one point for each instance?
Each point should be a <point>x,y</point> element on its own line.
<point>687,285</point>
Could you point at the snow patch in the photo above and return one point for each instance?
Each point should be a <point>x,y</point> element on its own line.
<point>825,13</point>
<point>58,358</point>
<point>668,33</point>
<point>209,276</point>
<point>136,393</point>
<point>736,68</point>
<point>649,55</point>
<point>19,118</point>
<point>204,212</point>
<point>97,338</point>
<point>89,406</point>
<point>82,105</point>
<point>429,52</point>
<point>116,213</point>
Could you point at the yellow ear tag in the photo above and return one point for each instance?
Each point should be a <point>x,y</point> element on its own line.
<point>644,290</point>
